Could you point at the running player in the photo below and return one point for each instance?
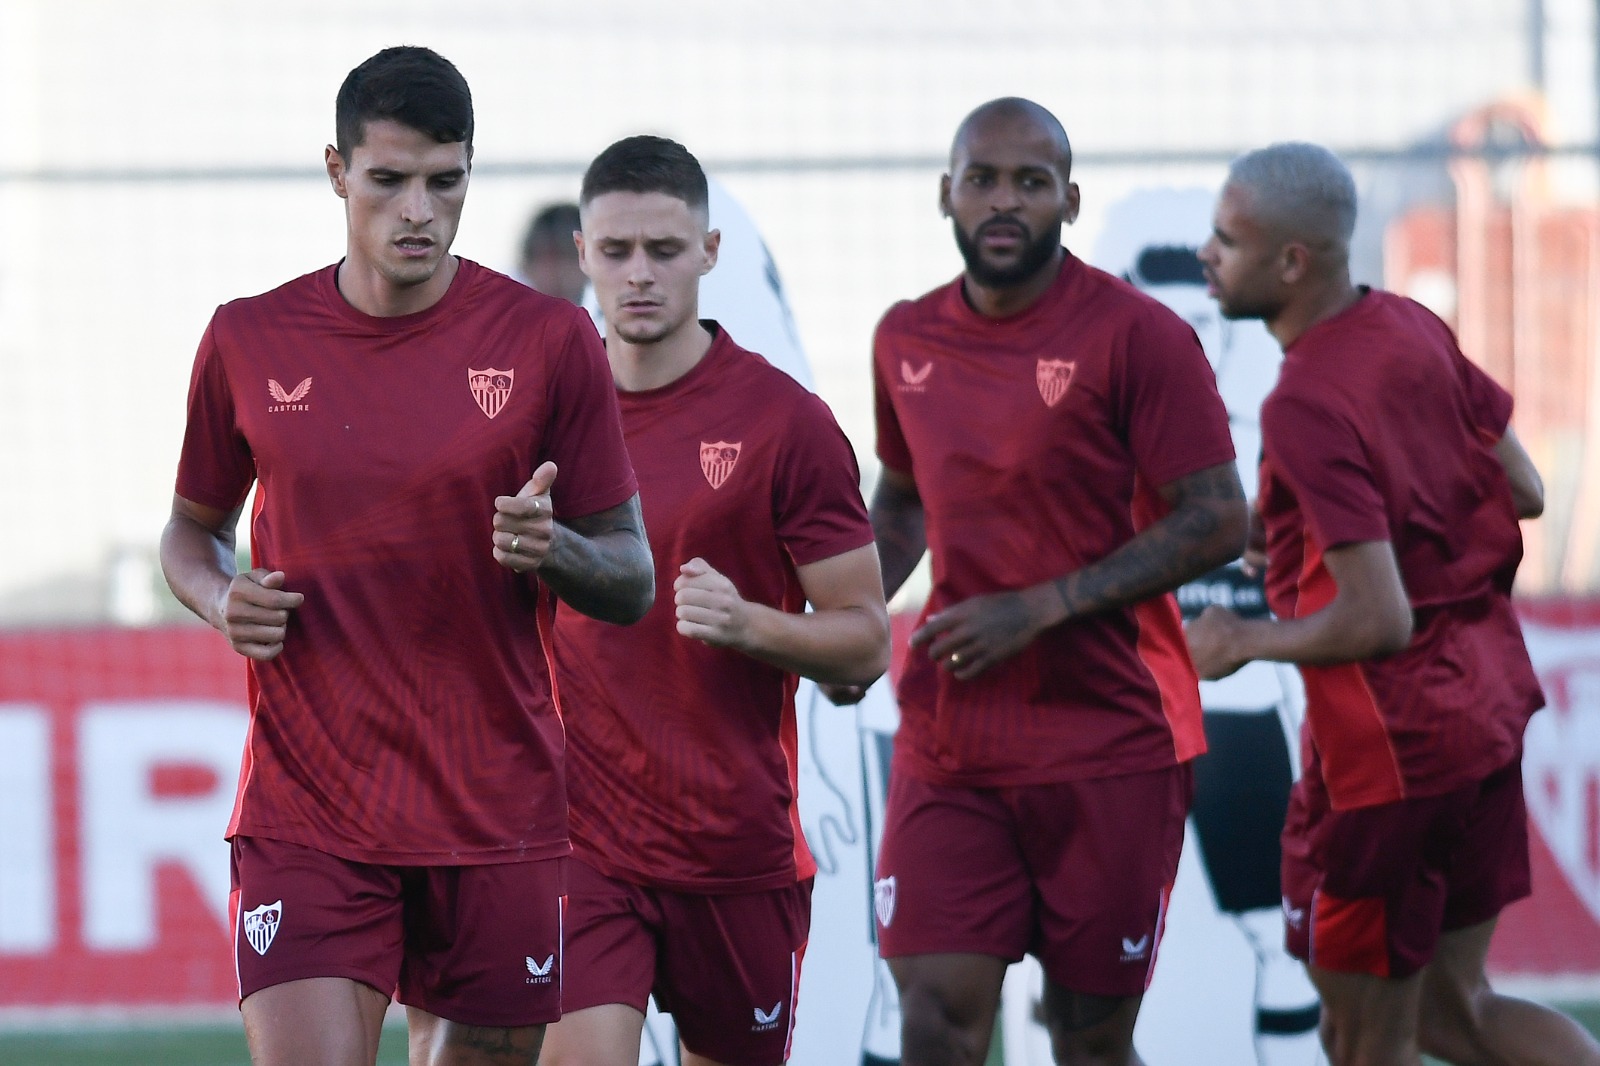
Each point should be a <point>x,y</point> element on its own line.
<point>691,879</point>
<point>437,456</point>
<point>1391,485</point>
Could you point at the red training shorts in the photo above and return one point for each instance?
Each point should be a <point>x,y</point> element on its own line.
<point>726,967</point>
<point>1076,873</point>
<point>478,945</point>
<point>1371,890</point>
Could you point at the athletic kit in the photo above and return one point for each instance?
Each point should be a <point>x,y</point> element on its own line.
<point>692,878</point>
<point>1038,443</point>
<point>410,720</point>
<point>1408,820</point>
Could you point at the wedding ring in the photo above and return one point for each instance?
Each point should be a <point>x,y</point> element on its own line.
<point>516,538</point>
<point>955,659</point>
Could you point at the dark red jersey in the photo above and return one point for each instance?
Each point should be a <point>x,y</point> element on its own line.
<point>1379,429</point>
<point>409,718</point>
<point>683,756</point>
<point>1038,443</point>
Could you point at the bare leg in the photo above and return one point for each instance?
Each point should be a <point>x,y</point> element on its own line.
<point>1090,1030</point>
<point>1369,1021</point>
<point>948,1005</point>
<point>327,1020</point>
<point>607,1035</point>
<point>436,1041</point>
<point>1466,1022</point>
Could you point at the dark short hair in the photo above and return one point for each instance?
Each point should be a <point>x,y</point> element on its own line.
<point>414,86</point>
<point>647,164</point>
<point>553,225</point>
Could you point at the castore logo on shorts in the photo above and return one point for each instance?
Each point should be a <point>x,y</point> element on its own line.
<point>540,971</point>
<point>767,1019</point>
<point>288,399</point>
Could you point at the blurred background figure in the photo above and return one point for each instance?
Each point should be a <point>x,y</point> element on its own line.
<point>549,259</point>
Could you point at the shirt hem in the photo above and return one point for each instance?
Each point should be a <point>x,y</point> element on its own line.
<point>388,857</point>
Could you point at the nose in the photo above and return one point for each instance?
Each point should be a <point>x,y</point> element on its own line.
<point>416,206</point>
<point>1007,198</point>
<point>641,274</point>
<point>1208,251</point>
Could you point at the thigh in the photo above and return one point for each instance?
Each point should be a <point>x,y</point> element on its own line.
<point>951,877</point>
<point>483,943</point>
<point>330,1020</point>
<point>1103,855</point>
<point>299,913</point>
<point>611,934</point>
<point>730,971</point>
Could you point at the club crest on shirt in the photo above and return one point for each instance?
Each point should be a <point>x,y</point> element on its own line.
<point>261,925</point>
<point>718,460</point>
<point>914,379</point>
<point>1053,376</point>
<point>883,900</point>
<point>491,388</point>
<point>288,399</point>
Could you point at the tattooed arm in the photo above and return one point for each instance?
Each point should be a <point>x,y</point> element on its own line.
<point>598,564</point>
<point>898,528</point>
<point>1205,528</point>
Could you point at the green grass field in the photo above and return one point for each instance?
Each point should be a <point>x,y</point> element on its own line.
<point>219,1045</point>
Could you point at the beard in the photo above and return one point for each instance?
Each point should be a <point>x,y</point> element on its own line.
<point>1035,254</point>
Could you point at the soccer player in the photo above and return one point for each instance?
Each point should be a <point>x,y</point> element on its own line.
<point>1391,485</point>
<point>438,455</point>
<point>1054,437</point>
<point>548,259</point>
<point>690,876</point>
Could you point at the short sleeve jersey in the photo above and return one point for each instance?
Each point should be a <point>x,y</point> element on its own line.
<point>682,756</point>
<point>409,718</point>
<point>1038,443</point>
<point>1379,429</point>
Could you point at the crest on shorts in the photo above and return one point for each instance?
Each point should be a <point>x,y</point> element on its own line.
<point>718,460</point>
<point>491,388</point>
<point>261,925</point>
<point>1053,376</point>
<point>883,900</point>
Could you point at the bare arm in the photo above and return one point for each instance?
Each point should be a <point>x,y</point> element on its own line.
<point>598,564</point>
<point>1205,528</point>
<point>844,639</point>
<point>1527,488</point>
<point>898,528</point>
<point>1369,616</point>
<point>197,556</point>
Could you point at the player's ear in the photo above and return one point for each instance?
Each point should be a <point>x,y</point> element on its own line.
<point>713,243</point>
<point>1070,215</point>
<point>583,252</point>
<point>1294,263</point>
<point>334,162</point>
<point>944,196</point>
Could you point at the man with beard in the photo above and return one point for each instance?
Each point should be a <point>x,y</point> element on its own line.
<point>1056,439</point>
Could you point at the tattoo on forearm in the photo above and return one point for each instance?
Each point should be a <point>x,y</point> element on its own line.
<point>1204,530</point>
<point>898,526</point>
<point>604,570</point>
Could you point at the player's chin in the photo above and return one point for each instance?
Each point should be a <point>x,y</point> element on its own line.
<point>636,332</point>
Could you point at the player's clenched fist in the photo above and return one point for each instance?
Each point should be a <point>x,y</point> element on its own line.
<point>524,524</point>
<point>709,606</point>
<point>255,613</point>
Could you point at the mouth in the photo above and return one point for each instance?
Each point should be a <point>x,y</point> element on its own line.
<point>414,247</point>
<point>1002,236</point>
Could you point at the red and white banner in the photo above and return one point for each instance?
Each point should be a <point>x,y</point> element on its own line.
<point>119,753</point>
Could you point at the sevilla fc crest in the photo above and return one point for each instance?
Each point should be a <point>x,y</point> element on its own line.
<point>717,460</point>
<point>883,892</point>
<point>261,925</point>
<point>491,388</point>
<point>1053,376</point>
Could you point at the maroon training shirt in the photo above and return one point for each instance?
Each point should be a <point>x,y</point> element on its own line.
<point>1379,429</point>
<point>1038,443</point>
<point>409,718</point>
<point>683,756</point>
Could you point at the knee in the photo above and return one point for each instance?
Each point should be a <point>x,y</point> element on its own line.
<point>940,1027</point>
<point>1091,1030</point>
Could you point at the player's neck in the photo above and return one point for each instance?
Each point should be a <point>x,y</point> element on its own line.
<point>640,367</point>
<point>1003,302</point>
<point>1316,304</point>
<point>367,290</point>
